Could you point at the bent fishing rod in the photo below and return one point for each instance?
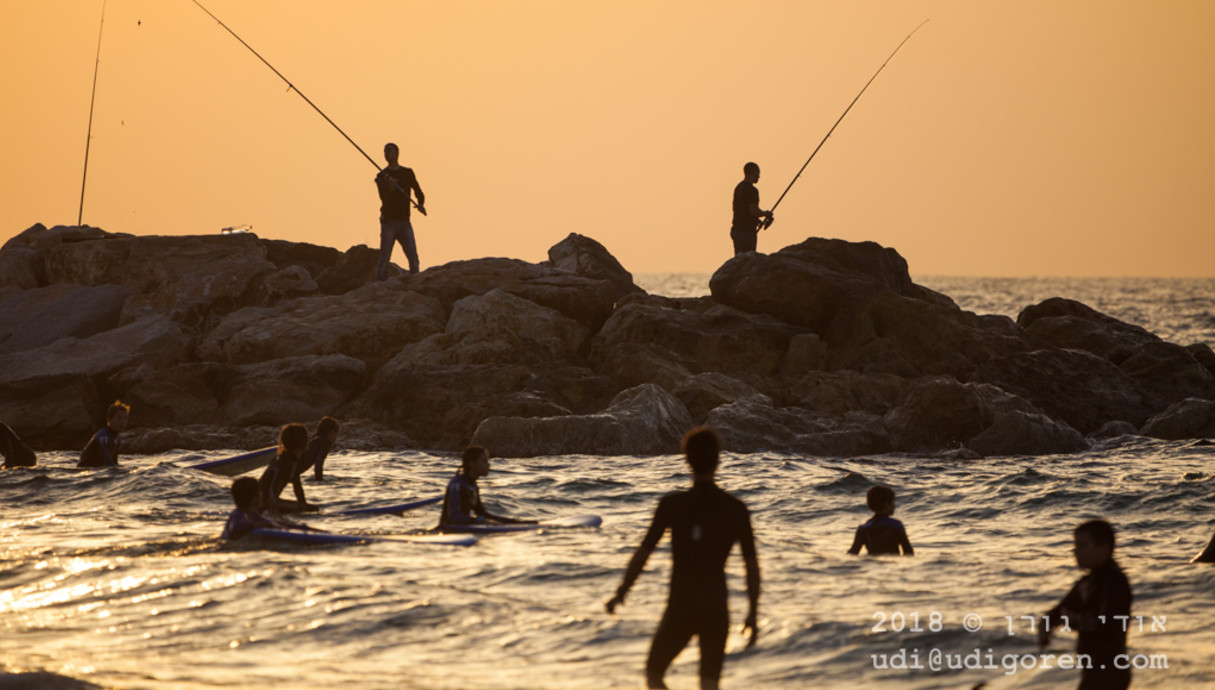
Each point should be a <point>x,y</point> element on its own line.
<point>307,100</point>
<point>92,101</point>
<point>767,223</point>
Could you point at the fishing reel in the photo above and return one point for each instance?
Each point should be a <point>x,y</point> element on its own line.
<point>767,222</point>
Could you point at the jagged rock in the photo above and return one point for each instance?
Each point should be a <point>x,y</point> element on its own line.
<point>1190,418</point>
<point>1017,432</point>
<point>545,329</point>
<point>1065,323</point>
<point>703,392</point>
<point>839,392</point>
<point>645,420</point>
<point>371,323</point>
<point>354,269</point>
<point>586,257</point>
<point>181,394</point>
<point>37,317</point>
<point>291,389</point>
<point>293,281</point>
<point>1114,430</point>
<point>313,259</point>
<point>940,412</point>
<point>751,426</point>
<point>1168,373</point>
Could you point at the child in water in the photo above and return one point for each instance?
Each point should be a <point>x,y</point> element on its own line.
<point>292,441</point>
<point>462,501</point>
<point>1097,608</point>
<point>246,494</point>
<point>882,534</point>
<point>102,449</point>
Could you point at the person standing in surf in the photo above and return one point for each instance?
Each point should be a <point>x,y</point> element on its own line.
<point>394,184</point>
<point>462,500</point>
<point>102,449</point>
<point>705,522</point>
<point>744,229</point>
<point>882,534</point>
<point>1097,608</point>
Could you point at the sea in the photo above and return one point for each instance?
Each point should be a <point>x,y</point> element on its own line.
<point>117,578</point>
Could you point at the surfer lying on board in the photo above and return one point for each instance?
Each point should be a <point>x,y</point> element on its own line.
<point>318,448</point>
<point>15,452</point>
<point>292,442</point>
<point>102,449</point>
<point>882,534</point>
<point>704,522</point>
<point>247,516</point>
<point>462,500</point>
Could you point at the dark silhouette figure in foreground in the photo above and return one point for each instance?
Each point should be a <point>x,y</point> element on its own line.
<point>15,452</point>
<point>744,229</point>
<point>283,469</point>
<point>462,500</point>
<point>394,183</point>
<point>882,534</point>
<point>705,522</point>
<point>1098,608</point>
<point>102,449</point>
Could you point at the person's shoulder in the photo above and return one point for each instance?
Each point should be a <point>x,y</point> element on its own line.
<point>890,522</point>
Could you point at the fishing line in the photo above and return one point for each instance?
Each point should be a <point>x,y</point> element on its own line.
<point>292,87</point>
<point>837,122</point>
<point>92,100</point>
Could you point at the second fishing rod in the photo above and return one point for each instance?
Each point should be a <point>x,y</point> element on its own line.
<point>768,222</point>
<point>307,100</point>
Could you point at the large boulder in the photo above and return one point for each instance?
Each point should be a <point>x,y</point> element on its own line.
<point>842,391</point>
<point>186,393</point>
<point>645,420</point>
<point>371,323</point>
<point>292,389</point>
<point>1018,432</point>
<point>704,392</point>
<point>1190,418</point>
<point>754,426</point>
<point>586,257</point>
<point>1065,323</point>
<point>37,317</point>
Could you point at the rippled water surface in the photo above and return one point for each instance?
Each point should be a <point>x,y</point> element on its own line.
<point>116,577</point>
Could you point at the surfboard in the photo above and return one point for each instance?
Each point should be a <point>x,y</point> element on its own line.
<point>306,537</point>
<point>238,464</point>
<point>558,523</point>
<point>397,509</point>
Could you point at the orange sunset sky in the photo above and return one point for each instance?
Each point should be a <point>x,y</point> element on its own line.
<point>1008,137</point>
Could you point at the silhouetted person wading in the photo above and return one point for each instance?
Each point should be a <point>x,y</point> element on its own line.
<point>394,183</point>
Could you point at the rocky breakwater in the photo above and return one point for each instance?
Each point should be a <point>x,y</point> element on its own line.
<point>825,347</point>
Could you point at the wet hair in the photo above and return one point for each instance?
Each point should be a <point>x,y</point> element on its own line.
<point>1100,531</point>
<point>326,425</point>
<point>749,167</point>
<point>878,497</point>
<point>244,492</point>
<point>293,437</point>
<point>472,454</point>
<point>116,407</point>
<point>702,447</point>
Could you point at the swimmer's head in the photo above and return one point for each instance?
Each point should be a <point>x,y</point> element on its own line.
<point>702,447</point>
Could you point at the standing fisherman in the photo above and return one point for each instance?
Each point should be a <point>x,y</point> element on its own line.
<point>744,229</point>
<point>394,183</point>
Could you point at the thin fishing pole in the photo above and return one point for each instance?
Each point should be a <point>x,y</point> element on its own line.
<point>92,100</point>
<point>837,122</point>
<point>301,95</point>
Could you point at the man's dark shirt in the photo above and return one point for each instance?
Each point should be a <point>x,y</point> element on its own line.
<point>1103,592</point>
<point>101,450</point>
<point>704,522</point>
<point>745,194</point>
<point>394,198</point>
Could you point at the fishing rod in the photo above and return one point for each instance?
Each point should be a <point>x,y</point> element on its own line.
<point>92,100</point>
<point>768,222</point>
<point>307,100</point>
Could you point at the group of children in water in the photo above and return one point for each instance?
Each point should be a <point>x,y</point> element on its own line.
<point>704,523</point>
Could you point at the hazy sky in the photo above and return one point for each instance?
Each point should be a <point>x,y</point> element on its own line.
<point>1008,137</point>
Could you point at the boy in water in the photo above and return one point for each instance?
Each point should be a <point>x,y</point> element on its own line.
<point>318,448</point>
<point>102,449</point>
<point>705,522</point>
<point>246,494</point>
<point>462,500</point>
<point>882,534</point>
<point>1097,608</point>
<point>292,441</point>
<point>15,452</point>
